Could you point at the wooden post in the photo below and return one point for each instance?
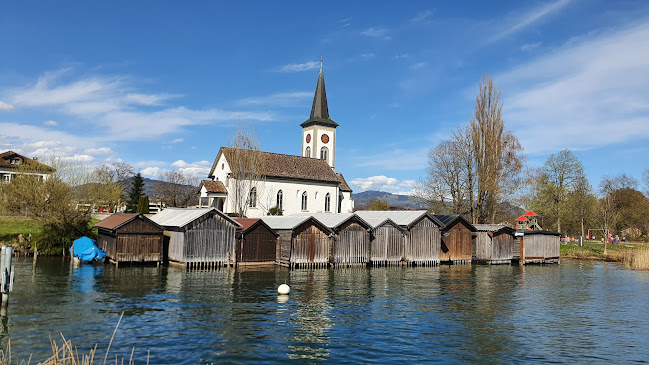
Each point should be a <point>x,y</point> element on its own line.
<point>6,273</point>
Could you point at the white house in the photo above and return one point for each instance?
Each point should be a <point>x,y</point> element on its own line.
<point>12,164</point>
<point>295,184</point>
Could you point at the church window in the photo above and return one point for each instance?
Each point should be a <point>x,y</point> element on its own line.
<point>307,152</point>
<point>323,153</point>
<point>222,166</point>
<point>304,201</point>
<point>327,203</point>
<point>252,203</point>
<point>340,203</point>
<point>280,199</point>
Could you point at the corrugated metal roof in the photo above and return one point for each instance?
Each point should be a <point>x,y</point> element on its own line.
<point>490,227</point>
<point>289,221</point>
<point>180,217</point>
<point>400,217</point>
<point>115,220</point>
<point>333,220</point>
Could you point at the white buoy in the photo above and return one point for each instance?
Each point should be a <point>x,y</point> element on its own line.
<point>284,289</point>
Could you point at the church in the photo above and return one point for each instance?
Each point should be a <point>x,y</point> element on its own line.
<point>288,184</point>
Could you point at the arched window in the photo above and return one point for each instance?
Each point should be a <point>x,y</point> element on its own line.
<point>253,198</point>
<point>304,205</point>
<point>307,152</point>
<point>327,203</point>
<point>340,202</point>
<point>323,153</point>
<point>280,200</point>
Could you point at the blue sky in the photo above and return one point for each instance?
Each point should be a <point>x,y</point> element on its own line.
<point>161,85</point>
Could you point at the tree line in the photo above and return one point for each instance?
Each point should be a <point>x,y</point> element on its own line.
<point>63,203</point>
<point>481,174</point>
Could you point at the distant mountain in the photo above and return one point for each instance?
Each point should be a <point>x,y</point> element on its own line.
<point>150,186</point>
<point>363,200</point>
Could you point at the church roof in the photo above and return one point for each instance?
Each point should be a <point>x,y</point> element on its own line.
<point>343,184</point>
<point>319,109</point>
<point>287,166</point>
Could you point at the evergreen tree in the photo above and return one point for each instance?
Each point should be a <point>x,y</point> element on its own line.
<point>137,190</point>
<point>143,204</point>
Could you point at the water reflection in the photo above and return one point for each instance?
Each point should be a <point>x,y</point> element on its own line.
<point>573,312</point>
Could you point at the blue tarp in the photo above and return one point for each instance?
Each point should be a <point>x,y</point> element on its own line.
<point>86,249</point>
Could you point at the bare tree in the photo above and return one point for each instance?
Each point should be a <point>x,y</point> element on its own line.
<point>497,152</point>
<point>108,184</point>
<point>609,207</point>
<point>247,165</point>
<point>176,189</point>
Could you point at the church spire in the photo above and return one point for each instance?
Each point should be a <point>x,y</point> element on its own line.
<point>319,109</point>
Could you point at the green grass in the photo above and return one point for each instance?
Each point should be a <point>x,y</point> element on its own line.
<point>595,250</point>
<point>11,227</point>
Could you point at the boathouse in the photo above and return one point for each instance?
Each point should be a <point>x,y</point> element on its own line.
<point>351,238</point>
<point>457,239</point>
<point>256,242</point>
<point>422,246</point>
<point>198,237</point>
<point>303,241</point>
<point>130,237</point>
<point>537,247</point>
<point>388,242</point>
<point>493,244</point>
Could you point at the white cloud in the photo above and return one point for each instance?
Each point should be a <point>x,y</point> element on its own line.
<point>177,140</point>
<point>377,32</point>
<point>286,99</point>
<point>298,67</point>
<point>152,172</point>
<point>589,93</point>
<point>50,123</point>
<point>418,65</point>
<point>422,16</point>
<point>345,22</point>
<point>114,107</point>
<point>383,183</point>
<point>198,169</point>
<point>367,56</point>
<point>530,46</point>
<point>518,22</point>
<point>5,106</point>
<point>401,56</point>
<point>99,151</point>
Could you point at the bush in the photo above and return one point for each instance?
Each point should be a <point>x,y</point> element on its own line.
<point>275,211</point>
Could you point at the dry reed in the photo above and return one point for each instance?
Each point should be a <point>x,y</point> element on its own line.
<point>637,259</point>
<point>67,354</point>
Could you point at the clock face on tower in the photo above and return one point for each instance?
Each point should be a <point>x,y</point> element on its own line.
<point>308,138</point>
<point>324,138</point>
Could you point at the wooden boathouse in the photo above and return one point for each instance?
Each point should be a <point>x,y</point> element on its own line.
<point>388,242</point>
<point>493,244</point>
<point>127,237</point>
<point>537,247</point>
<point>422,245</point>
<point>199,238</point>
<point>351,238</point>
<point>256,242</point>
<point>457,239</point>
<point>303,241</point>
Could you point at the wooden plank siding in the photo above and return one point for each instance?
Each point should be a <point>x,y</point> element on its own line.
<point>457,245</point>
<point>493,250</point>
<point>540,248</point>
<point>309,246</point>
<point>207,242</point>
<point>257,245</point>
<point>137,240</point>
<point>387,246</point>
<point>351,244</point>
<point>423,243</point>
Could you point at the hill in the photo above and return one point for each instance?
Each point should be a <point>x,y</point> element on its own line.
<point>363,199</point>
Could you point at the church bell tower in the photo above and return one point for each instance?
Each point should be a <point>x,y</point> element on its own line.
<point>319,131</point>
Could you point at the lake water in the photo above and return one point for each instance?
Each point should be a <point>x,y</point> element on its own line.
<point>578,311</point>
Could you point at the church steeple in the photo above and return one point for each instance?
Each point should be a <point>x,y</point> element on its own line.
<point>319,131</point>
<point>319,109</point>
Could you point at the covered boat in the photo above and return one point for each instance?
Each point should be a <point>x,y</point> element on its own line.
<point>85,249</point>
